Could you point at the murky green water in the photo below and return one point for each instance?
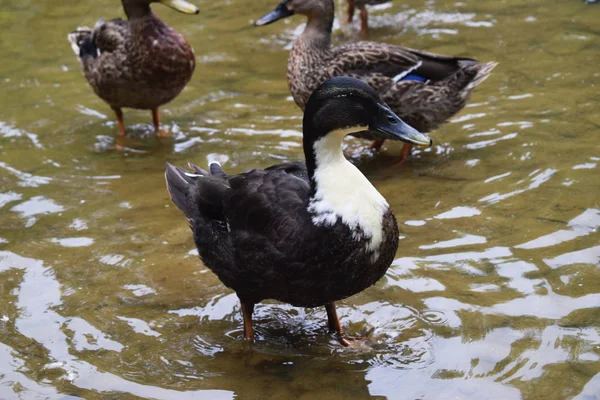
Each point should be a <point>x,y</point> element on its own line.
<point>495,292</point>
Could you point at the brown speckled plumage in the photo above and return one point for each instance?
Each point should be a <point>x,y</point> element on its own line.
<point>140,63</point>
<point>423,105</point>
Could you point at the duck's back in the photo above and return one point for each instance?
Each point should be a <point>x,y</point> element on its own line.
<point>255,232</point>
<point>142,63</point>
<point>424,89</point>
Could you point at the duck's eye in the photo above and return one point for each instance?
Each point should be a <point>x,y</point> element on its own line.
<point>392,119</point>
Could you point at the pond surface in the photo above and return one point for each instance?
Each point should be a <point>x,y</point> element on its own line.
<point>495,291</point>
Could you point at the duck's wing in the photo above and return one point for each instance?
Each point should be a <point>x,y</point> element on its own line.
<point>248,226</point>
<point>268,202</point>
<point>382,64</point>
<point>255,203</point>
<point>198,194</point>
<point>104,54</point>
<point>424,89</point>
<point>107,36</point>
<point>111,35</point>
<point>297,169</point>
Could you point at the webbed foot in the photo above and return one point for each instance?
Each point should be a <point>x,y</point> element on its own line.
<point>361,342</point>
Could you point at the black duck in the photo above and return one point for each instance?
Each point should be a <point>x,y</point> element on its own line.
<point>305,234</point>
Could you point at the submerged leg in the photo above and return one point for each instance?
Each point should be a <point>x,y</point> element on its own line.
<point>376,145</point>
<point>119,114</point>
<point>156,123</point>
<point>333,322</point>
<point>155,119</point>
<point>247,310</point>
<point>406,152</point>
<point>364,21</point>
<point>351,7</point>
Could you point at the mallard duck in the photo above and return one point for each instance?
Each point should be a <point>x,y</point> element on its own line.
<point>139,63</point>
<point>307,234</point>
<point>424,89</point>
<point>364,16</point>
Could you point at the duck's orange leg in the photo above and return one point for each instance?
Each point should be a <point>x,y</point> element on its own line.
<point>405,154</point>
<point>155,119</point>
<point>351,8</point>
<point>156,122</point>
<point>333,322</point>
<point>334,325</point>
<point>376,145</point>
<point>119,114</point>
<point>247,310</point>
<point>364,21</point>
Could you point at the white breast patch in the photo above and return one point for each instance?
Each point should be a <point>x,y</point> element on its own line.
<point>342,191</point>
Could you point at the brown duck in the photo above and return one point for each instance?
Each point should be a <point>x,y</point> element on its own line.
<point>424,89</point>
<point>140,63</point>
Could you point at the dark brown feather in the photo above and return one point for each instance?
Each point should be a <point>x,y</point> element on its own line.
<point>142,63</point>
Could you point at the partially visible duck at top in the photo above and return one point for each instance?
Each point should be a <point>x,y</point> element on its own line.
<point>140,63</point>
<point>364,16</point>
<point>424,89</point>
<point>305,234</point>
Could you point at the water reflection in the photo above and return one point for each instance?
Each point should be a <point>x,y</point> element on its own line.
<point>582,225</point>
<point>74,242</point>
<point>7,197</point>
<point>26,179</point>
<point>463,241</point>
<point>38,205</point>
<point>536,179</point>
<point>37,310</point>
<point>9,131</point>
<point>586,256</point>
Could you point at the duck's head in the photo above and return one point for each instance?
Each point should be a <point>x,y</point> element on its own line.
<point>349,105</point>
<point>344,105</point>
<point>135,8</point>
<point>309,8</point>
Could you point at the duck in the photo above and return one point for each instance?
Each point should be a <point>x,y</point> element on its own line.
<point>139,63</point>
<point>364,16</point>
<point>425,89</point>
<point>305,233</point>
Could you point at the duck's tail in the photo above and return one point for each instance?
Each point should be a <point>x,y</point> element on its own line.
<point>198,193</point>
<point>427,105</point>
<point>472,75</point>
<point>179,183</point>
<point>82,42</point>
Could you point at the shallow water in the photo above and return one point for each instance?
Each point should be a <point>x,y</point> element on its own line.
<point>495,291</point>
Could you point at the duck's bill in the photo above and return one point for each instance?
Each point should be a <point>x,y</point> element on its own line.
<point>388,123</point>
<point>281,11</point>
<point>181,6</point>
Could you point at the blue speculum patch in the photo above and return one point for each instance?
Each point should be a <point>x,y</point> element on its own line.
<point>413,77</point>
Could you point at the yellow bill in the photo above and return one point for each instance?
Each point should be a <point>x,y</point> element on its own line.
<point>181,6</point>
